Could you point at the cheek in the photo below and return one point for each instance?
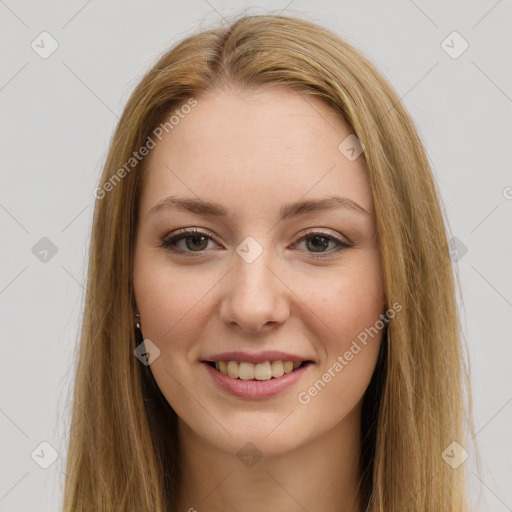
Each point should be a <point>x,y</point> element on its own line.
<point>170,300</point>
<point>346,310</point>
<point>350,345</point>
<point>162,303</point>
<point>347,300</point>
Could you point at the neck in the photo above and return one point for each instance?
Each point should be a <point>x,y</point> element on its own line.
<point>322,475</point>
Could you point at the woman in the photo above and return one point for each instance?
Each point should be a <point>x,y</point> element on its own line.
<point>270,321</point>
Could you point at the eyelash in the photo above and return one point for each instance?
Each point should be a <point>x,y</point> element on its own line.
<point>169,242</point>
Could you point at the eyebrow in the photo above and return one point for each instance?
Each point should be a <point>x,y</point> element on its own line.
<point>287,211</point>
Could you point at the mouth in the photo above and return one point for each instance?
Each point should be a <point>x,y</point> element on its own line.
<point>268,370</point>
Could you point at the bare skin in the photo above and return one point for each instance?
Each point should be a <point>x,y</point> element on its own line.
<point>252,153</point>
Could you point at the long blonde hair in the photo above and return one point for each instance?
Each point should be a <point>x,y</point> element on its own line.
<point>123,451</point>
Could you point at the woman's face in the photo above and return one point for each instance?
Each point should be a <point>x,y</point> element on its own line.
<point>263,278</point>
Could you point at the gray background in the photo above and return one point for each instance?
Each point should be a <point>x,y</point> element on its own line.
<point>58,115</point>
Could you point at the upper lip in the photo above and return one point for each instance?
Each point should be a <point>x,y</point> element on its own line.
<point>260,357</point>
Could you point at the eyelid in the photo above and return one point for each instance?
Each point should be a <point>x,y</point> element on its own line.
<point>315,231</point>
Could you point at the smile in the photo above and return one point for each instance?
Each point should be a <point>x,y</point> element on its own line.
<point>267,370</point>
<point>256,380</point>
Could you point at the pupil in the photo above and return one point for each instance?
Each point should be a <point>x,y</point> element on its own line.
<point>321,245</point>
<point>194,239</point>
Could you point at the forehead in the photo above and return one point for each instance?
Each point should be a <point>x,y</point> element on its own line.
<point>262,148</point>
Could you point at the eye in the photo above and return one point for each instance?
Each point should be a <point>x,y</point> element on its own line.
<point>196,241</point>
<point>317,241</point>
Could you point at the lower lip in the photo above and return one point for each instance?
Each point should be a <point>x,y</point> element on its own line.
<point>257,388</point>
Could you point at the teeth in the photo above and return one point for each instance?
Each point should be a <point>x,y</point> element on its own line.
<point>261,371</point>
<point>233,369</point>
<point>245,370</point>
<point>277,368</point>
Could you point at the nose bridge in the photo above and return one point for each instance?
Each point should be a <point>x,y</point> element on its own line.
<point>255,295</point>
<point>253,271</point>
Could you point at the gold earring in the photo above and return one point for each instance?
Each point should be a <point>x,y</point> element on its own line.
<point>137,324</point>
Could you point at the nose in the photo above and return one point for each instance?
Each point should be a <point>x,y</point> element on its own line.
<point>256,297</point>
